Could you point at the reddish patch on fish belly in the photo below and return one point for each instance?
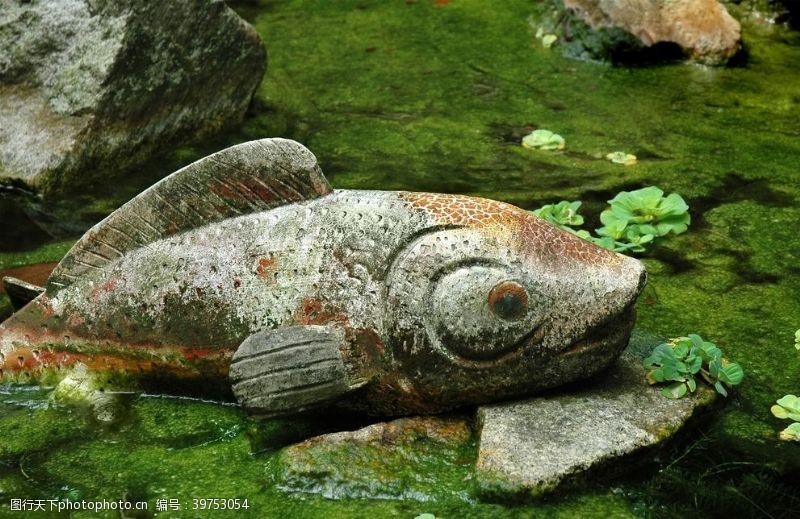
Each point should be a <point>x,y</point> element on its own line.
<point>178,362</point>
<point>316,311</point>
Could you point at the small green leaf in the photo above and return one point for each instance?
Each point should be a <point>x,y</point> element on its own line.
<point>681,349</point>
<point>791,433</point>
<point>548,40</point>
<point>543,140</point>
<point>675,391</point>
<point>720,388</point>
<point>425,516</point>
<point>620,157</point>
<point>694,363</point>
<point>787,407</point>
<point>731,373</point>
<point>797,339</point>
<point>563,214</point>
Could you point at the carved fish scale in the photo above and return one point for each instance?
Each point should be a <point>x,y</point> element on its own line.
<point>248,265</point>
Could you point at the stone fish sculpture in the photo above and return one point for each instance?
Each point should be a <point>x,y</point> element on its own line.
<point>246,269</point>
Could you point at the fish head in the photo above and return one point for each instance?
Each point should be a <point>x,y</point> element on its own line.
<point>490,302</point>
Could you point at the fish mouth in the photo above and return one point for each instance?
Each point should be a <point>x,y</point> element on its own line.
<point>611,336</point>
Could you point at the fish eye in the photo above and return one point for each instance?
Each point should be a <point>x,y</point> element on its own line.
<point>508,300</point>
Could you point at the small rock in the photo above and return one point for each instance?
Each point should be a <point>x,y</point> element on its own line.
<point>419,458</point>
<point>531,447</point>
<point>702,28</point>
<point>90,87</point>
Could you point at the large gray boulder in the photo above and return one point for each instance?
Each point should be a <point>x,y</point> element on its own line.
<point>91,86</point>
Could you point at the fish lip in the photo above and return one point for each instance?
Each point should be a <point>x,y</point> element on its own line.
<point>612,331</point>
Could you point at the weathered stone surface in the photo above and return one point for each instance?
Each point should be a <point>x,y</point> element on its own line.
<point>530,447</point>
<point>91,86</point>
<point>404,458</point>
<point>703,28</point>
<point>442,300</point>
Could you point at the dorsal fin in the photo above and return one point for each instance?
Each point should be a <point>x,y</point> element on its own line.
<point>246,178</point>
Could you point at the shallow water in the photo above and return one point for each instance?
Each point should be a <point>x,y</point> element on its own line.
<point>434,96</point>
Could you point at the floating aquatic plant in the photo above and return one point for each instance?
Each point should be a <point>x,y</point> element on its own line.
<point>645,211</point>
<point>620,157</point>
<point>683,361</point>
<point>791,433</point>
<point>548,40</point>
<point>633,220</point>
<point>543,140</point>
<point>562,214</point>
<point>788,407</point>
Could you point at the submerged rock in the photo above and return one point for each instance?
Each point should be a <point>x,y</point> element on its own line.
<point>702,28</point>
<point>530,447</point>
<point>87,87</point>
<point>409,458</point>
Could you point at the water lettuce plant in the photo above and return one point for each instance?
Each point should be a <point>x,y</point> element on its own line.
<point>633,219</point>
<point>563,214</point>
<point>620,157</point>
<point>548,40</point>
<point>682,361</point>
<point>788,407</point>
<point>643,215</point>
<point>543,140</point>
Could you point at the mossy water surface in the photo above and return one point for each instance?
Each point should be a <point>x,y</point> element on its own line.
<point>435,96</point>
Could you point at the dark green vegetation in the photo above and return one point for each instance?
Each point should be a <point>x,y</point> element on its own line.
<point>683,361</point>
<point>412,95</point>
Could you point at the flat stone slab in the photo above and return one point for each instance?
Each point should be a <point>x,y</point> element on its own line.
<point>421,458</point>
<point>530,447</point>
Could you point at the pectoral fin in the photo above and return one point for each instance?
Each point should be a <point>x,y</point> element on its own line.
<point>291,369</point>
<point>20,292</point>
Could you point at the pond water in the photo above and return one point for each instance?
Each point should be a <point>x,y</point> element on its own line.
<point>435,96</point>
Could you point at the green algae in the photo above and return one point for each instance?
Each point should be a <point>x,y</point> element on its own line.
<point>45,253</point>
<point>185,449</point>
<point>443,107</point>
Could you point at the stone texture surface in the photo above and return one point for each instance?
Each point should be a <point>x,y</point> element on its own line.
<point>91,86</point>
<point>443,300</point>
<point>703,28</point>
<point>530,447</point>
<point>415,458</point>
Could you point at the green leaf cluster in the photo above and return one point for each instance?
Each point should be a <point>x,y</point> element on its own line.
<point>788,408</point>
<point>683,361</point>
<point>644,212</point>
<point>633,219</point>
<point>563,214</point>
<point>543,140</point>
<point>620,157</point>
